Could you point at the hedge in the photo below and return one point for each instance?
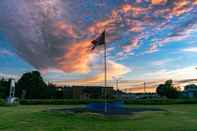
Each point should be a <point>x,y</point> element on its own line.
<point>57,101</point>
<point>161,101</point>
<point>2,102</point>
<point>134,102</point>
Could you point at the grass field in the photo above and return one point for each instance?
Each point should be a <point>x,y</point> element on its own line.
<point>35,118</point>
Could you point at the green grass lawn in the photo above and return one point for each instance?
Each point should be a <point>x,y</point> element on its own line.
<point>35,118</point>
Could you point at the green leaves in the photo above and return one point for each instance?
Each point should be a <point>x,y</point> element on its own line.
<point>168,90</point>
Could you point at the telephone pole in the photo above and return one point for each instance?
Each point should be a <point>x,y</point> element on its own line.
<point>144,87</point>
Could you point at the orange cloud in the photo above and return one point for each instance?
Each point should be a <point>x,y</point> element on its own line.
<point>157,2</point>
<point>76,57</point>
<point>181,6</point>
<point>135,9</point>
<point>99,26</point>
<point>63,28</point>
<point>126,8</point>
<point>135,25</point>
<point>194,2</point>
<point>136,29</point>
<point>149,89</point>
<point>115,20</point>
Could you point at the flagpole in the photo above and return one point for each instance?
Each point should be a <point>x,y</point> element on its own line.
<point>105,63</point>
<point>101,41</point>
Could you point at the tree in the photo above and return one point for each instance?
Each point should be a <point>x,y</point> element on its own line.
<point>191,86</point>
<point>51,91</point>
<point>167,89</point>
<point>161,90</point>
<point>31,86</point>
<point>4,88</point>
<point>54,91</point>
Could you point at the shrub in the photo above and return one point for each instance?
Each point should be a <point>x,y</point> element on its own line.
<point>161,101</point>
<point>2,102</point>
<point>56,101</point>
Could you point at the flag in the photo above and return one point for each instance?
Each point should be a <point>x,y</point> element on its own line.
<point>98,41</point>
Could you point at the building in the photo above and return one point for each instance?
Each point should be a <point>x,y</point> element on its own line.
<point>86,92</point>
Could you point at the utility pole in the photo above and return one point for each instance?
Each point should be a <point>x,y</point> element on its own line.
<point>117,85</point>
<point>117,80</point>
<point>144,87</point>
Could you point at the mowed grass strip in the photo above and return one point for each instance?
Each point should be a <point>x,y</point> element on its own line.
<point>37,118</point>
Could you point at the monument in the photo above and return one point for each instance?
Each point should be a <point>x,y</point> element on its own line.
<point>11,99</point>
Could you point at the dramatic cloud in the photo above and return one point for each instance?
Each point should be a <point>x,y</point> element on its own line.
<point>67,29</point>
<point>57,33</point>
<point>76,57</point>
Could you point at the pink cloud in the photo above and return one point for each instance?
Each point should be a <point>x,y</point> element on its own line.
<point>153,48</point>
<point>134,44</point>
<point>172,39</point>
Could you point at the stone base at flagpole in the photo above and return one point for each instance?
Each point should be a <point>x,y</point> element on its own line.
<point>113,108</point>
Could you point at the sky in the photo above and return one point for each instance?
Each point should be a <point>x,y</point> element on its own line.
<point>146,39</point>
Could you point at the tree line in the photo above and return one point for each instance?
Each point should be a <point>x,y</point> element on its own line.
<point>168,90</point>
<point>32,86</point>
